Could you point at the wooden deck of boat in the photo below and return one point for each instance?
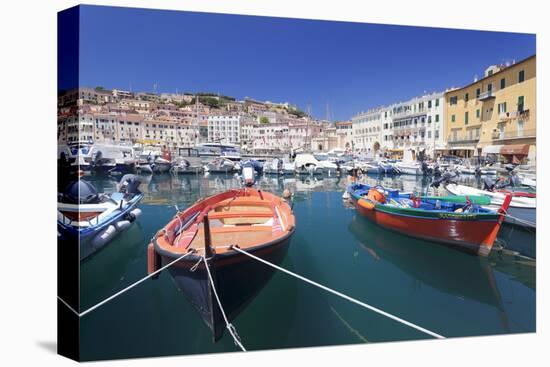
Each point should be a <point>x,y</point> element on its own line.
<point>242,221</point>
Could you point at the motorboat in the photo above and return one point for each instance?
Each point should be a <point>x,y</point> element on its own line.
<point>306,164</point>
<point>522,208</point>
<point>328,167</point>
<point>221,165</point>
<point>184,166</point>
<point>409,168</point>
<point>93,219</point>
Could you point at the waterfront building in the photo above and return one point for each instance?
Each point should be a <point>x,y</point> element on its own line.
<point>224,128</point>
<point>269,137</point>
<point>416,126</point>
<point>367,131</point>
<point>301,132</point>
<point>344,132</point>
<point>495,112</point>
<point>402,129</point>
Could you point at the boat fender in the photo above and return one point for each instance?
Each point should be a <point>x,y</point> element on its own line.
<point>134,214</point>
<point>153,260</point>
<point>104,237</point>
<point>376,196</point>
<point>122,225</point>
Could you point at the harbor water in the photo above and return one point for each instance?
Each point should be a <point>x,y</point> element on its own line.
<point>447,291</point>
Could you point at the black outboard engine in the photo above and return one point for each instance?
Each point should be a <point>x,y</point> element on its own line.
<point>478,171</point>
<point>437,171</point>
<point>98,157</point>
<point>447,177</point>
<point>79,192</point>
<point>129,184</point>
<point>514,180</point>
<point>425,169</point>
<point>488,184</point>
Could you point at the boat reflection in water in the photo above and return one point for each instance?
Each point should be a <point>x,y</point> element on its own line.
<point>452,272</point>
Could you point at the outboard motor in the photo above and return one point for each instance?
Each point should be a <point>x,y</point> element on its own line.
<point>248,175</point>
<point>478,171</point>
<point>129,184</point>
<point>488,184</point>
<point>79,192</point>
<point>98,157</point>
<point>514,180</point>
<point>425,169</point>
<point>437,171</point>
<point>447,177</point>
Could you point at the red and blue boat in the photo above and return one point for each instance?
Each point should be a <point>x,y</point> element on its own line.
<point>457,221</point>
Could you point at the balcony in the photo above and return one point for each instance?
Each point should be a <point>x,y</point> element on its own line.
<point>486,95</point>
<point>505,116</point>
<point>512,135</point>
<point>410,113</point>
<point>460,139</point>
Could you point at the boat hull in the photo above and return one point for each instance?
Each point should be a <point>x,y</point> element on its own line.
<point>231,273</point>
<point>471,235</point>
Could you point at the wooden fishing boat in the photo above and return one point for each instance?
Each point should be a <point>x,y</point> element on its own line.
<point>456,221</point>
<point>257,222</point>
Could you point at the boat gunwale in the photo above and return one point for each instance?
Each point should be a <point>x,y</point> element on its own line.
<point>426,214</point>
<point>194,209</point>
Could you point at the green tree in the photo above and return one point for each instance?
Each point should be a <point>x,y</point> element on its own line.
<point>264,120</point>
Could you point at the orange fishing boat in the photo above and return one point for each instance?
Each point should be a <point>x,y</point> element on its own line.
<point>253,220</point>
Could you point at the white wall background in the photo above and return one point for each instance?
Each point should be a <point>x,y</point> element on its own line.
<point>28,283</point>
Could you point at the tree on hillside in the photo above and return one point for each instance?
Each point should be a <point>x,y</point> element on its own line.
<point>264,120</point>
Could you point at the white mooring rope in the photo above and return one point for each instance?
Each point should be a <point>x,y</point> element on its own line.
<point>372,308</point>
<point>229,326</point>
<point>125,289</point>
<point>519,220</point>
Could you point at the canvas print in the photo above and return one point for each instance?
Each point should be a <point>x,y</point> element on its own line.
<point>238,183</point>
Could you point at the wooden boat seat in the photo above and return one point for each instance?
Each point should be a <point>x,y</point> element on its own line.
<point>245,236</point>
<point>239,214</point>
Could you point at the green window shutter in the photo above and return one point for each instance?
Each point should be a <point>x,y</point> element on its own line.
<point>452,118</point>
<point>466,118</point>
<point>502,83</point>
<point>477,113</point>
<point>520,103</point>
<point>436,118</point>
<point>437,102</point>
<point>521,76</point>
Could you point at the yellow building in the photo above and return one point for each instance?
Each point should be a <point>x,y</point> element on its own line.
<point>496,114</point>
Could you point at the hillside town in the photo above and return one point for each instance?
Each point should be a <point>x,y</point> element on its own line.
<point>492,114</point>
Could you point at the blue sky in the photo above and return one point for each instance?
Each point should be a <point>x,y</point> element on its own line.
<point>350,66</point>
